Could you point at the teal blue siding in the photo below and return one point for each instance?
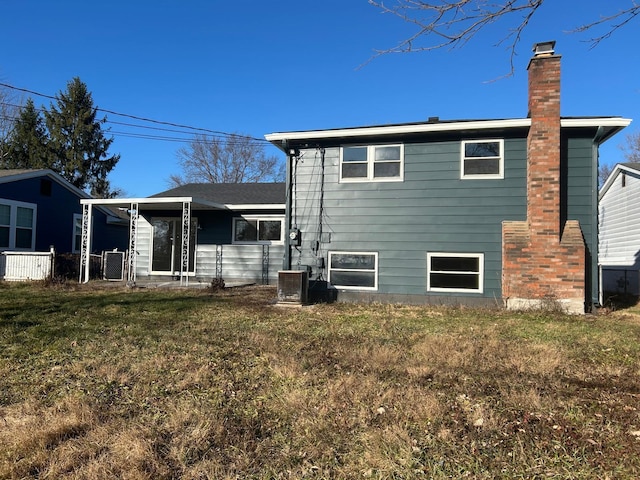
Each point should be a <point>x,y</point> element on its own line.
<point>432,210</point>
<point>581,199</point>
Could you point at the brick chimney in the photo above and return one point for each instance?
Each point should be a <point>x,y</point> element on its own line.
<point>543,261</point>
<point>543,143</point>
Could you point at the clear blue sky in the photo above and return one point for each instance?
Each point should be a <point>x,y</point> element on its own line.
<point>260,67</point>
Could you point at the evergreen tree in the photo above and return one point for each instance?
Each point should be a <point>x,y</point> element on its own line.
<point>77,141</point>
<point>27,143</point>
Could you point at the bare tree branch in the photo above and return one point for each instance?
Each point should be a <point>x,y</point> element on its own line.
<point>622,18</point>
<point>453,23</point>
<point>632,148</point>
<point>233,159</point>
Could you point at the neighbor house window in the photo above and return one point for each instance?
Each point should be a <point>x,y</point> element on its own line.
<point>455,272</point>
<point>482,159</point>
<point>378,163</point>
<point>17,225</point>
<point>45,187</point>
<point>353,270</point>
<point>257,230</point>
<point>77,232</point>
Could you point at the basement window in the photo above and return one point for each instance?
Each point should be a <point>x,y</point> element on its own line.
<point>482,159</point>
<point>353,270</point>
<point>373,163</point>
<point>257,230</point>
<point>455,272</point>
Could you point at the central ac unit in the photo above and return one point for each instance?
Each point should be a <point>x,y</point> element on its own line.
<point>293,286</point>
<point>113,265</point>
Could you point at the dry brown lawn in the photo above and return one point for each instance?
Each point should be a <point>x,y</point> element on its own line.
<point>156,384</point>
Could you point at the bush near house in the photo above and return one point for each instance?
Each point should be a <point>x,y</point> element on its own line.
<point>117,383</point>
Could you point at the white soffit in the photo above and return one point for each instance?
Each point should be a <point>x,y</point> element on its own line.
<point>442,127</point>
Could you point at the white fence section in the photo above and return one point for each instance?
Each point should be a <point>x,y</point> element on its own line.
<point>23,266</point>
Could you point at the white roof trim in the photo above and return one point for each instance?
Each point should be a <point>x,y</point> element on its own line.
<point>399,129</point>
<point>595,122</point>
<point>613,175</point>
<point>442,127</point>
<point>150,201</point>
<point>256,206</point>
<point>164,200</point>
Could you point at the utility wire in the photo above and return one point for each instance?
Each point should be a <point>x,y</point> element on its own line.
<point>203,139</point>
<point>143,119</point>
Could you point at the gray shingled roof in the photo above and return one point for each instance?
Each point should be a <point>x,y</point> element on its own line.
<point>19,171</point>
<point>231,193</point>
<point>634,165</point>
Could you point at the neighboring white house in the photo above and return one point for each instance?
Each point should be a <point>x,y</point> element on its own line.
<point>619,230</point>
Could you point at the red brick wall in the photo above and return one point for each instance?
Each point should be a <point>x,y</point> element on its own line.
<point>542,259</point>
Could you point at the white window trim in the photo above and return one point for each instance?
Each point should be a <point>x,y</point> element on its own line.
<point>258,218</point>
<point>76,248</point>
<point>371,163</point>
<point>490,176</point>
<point>13,219</point>
<point>341,287</point>
<point>480,273</point>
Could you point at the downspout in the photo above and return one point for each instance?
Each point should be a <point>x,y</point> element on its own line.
<point>286,261</point>
<point>597,297</point>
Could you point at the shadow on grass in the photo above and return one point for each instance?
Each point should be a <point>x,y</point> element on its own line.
<point>619,301</point>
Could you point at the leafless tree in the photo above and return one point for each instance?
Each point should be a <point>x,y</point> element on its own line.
<point>233,158</point>
<point>9,110</point>
<point>452,23</point>
<point>631,153</point>
<point>632,148</point>
<point>604,170</point>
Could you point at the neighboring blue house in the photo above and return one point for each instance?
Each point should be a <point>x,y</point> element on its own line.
<point>471,211</point>
<point>39,209</point>
<point>620,230</point>
<point>233,232</point>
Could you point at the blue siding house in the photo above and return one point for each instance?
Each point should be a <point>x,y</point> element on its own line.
<point>39,209</point>
<point>498,211</point>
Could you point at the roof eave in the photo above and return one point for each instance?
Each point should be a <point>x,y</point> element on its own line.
<point>155,201</point>
<point>256,206</point>
<point>614,124</point>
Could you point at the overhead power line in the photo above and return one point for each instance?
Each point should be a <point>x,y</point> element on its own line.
<point>144,119</point>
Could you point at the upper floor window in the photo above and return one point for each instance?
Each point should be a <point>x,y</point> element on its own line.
<point>17,225</point>
<point>373,163</point>
<point>482,159</point>
<point>257,230</point>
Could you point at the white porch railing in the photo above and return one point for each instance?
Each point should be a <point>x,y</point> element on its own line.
<point>23,266</point>
<point>249,263</point>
